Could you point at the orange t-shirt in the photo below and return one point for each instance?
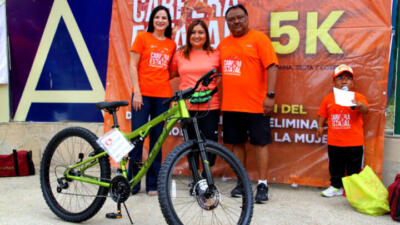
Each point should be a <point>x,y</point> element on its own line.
<point>243,63</point>
<point>345,125</point>
<point>190,70</point>
<point>155,57</point>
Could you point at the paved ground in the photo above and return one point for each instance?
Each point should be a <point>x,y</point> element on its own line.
<point>21,202</point>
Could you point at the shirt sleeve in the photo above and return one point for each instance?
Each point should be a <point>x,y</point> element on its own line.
<point>139,44</point>
<point>323,112</point>
<point>266,51</point>
<point>361,98</point>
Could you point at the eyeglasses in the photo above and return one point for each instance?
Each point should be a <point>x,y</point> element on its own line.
<point>344,77</point>
<point>232,19</point>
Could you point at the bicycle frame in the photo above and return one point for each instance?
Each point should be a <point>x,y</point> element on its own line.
<point>177,112</point>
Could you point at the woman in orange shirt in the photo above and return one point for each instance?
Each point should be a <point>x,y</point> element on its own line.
<point>195,59</point>
<point>150,57</point>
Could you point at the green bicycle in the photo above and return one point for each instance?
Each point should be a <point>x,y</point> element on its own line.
<point>76,177</point>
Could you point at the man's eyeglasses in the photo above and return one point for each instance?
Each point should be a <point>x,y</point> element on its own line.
<point>239,17</point>
<point>341,77</point>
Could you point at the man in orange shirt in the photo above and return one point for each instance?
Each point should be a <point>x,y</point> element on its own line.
<point>345,131</point>
<point>248,64</point>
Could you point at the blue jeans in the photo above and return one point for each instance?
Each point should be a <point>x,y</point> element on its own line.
<point>151,108</point>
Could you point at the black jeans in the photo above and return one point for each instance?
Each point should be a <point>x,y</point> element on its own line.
<point>342,160</point>
<point>151,108</point>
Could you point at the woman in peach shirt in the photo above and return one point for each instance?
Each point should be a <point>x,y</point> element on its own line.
<point>192,61</point>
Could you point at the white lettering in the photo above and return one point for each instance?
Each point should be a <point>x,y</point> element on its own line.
<point>217,6</point>
<point>285,138</point>
<point>227,5</point>
<point>214,32</point>
<point>196,15</point>
<point>135,30</point>
<point>291,123</point>
<point>299,138</point>
<point>150,7</point>
<point>226,30</point>
<point>170,6</point>
<point>179,5</point>
<point>136,18</point>
<point>304,124</point>
<point>314,124</point>
<point>180,34</point>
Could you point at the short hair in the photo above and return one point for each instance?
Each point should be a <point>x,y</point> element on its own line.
<point>150,28</point>
<point>238,6</point>
<point>188,47</point>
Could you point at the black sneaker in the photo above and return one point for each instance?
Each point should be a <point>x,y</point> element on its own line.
<point>237,192</point>
<point>262,193</point>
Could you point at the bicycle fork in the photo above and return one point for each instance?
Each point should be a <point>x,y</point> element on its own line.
<point>193,159</point>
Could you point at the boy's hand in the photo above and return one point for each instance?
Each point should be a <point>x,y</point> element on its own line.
<point>320,131</point>
<point>360,106</point>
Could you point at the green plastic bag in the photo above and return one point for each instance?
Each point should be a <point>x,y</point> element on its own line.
<point>366,193</point>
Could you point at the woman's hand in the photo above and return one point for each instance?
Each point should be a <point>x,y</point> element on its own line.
<point>137,101</point>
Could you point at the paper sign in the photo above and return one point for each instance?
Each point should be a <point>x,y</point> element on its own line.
<point>115,144</point>
<point>343,98</point>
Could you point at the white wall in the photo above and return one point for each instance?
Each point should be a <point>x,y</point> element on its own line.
<point>4,93</point>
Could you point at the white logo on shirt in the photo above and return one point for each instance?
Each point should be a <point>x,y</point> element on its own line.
<point>159,60</point>
<point>341,121</point>
<point>232,67</point>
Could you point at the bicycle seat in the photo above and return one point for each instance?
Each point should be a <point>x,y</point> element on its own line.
<point>111,106</point>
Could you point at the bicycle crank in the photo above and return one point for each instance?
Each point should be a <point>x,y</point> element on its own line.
<point>119,189</point>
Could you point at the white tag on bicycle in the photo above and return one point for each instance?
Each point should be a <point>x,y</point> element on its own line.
<point>115,144</point>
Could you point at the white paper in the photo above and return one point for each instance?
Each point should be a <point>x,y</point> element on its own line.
<point>343,98</point>
<point>115,144</point>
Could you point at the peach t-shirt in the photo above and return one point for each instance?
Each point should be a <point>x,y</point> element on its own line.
<point>153,64</point>
<point>190,70</point>
<point>345,125</point>
<point>244,61</point>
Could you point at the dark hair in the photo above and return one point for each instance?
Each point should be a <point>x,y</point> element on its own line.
<point>150,28</point>
<point>238,6</point>
<point>188,47</point>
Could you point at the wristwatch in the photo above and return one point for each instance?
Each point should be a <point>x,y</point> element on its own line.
<point>271,95</point>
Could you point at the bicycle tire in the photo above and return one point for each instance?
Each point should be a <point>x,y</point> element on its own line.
<point>177,195</point>
<point>79,201</point>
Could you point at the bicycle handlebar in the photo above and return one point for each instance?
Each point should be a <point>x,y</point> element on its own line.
<point>205,80</point>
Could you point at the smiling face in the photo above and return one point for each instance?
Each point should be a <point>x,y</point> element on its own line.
<point>160,21</point>
<point>238,22</point>
<point>344,79</point>
<point>198,37</point>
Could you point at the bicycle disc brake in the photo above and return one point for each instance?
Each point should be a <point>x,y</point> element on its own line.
<point>119,189</point>
<point>206,198</point>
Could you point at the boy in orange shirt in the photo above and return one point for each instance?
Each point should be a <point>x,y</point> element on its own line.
<point>345,131</point>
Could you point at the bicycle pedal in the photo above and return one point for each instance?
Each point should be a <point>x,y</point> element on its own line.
<point>114,215</point>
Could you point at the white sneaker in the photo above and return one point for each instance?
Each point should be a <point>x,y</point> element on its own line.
<point>332,191</point>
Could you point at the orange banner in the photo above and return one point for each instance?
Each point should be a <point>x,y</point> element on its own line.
<point>310,39</point>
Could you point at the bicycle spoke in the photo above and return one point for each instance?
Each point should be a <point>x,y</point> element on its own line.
<point>71,199</point>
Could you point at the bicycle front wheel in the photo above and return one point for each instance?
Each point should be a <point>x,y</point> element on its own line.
<point>73,200</point>
<point>184,198</point>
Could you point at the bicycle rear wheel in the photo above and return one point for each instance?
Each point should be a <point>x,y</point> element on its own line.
<point>183,200</point>
<point>73,200</point>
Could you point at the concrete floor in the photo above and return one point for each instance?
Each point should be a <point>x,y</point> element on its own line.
<point>22,203</point>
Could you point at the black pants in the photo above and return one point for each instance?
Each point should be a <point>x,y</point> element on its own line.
<point>342,160</point>
<point>208,126</point>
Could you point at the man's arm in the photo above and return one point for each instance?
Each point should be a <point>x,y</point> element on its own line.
<point>272,76</point>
